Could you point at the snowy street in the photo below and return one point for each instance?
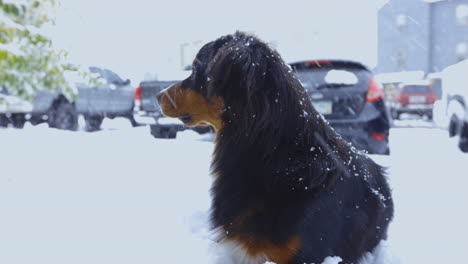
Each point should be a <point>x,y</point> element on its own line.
<point>121,196</point>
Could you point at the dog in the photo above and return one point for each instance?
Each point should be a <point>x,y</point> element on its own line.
<point>287,188</point>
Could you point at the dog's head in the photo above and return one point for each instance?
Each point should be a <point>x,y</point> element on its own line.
<point>235,79</point>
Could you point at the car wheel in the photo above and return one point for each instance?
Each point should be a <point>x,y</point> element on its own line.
<point>463,143</point>
<point>172,133</point>
<point>159,131</point>
<point>18,120</point>
<point>156,131</point>
<point>93,122</point>
<point>35,120</point>
<point>4,120</point>
<point>66,117</point>
<point>453,126</point>
<point>62,115</point>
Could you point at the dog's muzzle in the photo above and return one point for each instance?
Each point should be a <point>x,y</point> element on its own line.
<point>169,97</point>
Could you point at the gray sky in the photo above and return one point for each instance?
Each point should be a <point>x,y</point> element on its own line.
<point>145,36</point>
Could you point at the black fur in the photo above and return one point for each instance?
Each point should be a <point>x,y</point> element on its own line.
<point>279,160</point>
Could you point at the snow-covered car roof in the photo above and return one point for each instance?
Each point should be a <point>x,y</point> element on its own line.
<point>337,62</point>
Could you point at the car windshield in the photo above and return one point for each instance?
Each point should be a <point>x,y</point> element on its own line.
<point>416,89</point>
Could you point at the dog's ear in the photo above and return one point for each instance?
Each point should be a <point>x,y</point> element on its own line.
<point>237,70</point>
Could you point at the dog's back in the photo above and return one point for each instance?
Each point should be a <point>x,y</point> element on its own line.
<point>307,205</point>
<point>348,217</point>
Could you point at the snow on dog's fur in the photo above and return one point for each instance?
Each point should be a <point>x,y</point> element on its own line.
<point>287,188</point>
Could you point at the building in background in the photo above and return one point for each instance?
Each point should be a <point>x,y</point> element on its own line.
<point>417,35</point>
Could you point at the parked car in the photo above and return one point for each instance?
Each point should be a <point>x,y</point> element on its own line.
<point>148,112</point>
<point>414,99</point>
<point>113,99</point>
<point>349,98</point>
<point>13,110</point>
<point>451,111</point>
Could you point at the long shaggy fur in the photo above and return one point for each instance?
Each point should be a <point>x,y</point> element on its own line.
<point>280,170</point>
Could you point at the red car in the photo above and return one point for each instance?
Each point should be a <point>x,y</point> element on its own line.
<point>415,99</point>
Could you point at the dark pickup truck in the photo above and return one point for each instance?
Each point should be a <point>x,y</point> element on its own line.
<point>147,111</point>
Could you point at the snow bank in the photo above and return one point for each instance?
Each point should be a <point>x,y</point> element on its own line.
<point>382,254</point>
<point>120,196</point>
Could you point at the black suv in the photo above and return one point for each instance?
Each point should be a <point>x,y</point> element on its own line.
<point>346,94</point>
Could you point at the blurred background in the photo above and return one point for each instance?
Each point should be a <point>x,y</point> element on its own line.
<point>90,169</point>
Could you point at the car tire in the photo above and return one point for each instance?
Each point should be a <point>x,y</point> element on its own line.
<point>62,115</point>
<point>156,131</point>
<point>172,133</point>
<point>66,117</point>
<point>159,131</point>
<point>93,122</point>
<point>453,126</point>
<point>35,120</point>
<point>18,120</point>
<point>463,143</point>
<point>4,121</point>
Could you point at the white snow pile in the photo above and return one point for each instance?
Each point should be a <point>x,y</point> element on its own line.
<point>116,196</point>
<point>382,254</point>
<point>332,260</point>
<point>120,196</point>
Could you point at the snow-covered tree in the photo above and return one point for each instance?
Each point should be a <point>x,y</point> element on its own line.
<point>28,61</point>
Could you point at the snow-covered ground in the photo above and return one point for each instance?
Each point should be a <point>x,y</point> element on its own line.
<point>121,196</point>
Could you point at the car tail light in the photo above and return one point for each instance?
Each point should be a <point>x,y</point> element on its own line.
<point>400,99</point>
<point>138,93</point>
<point>378,136</point>
<point>374,91</point>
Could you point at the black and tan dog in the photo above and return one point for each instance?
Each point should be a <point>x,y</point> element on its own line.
<point>287,188</point>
